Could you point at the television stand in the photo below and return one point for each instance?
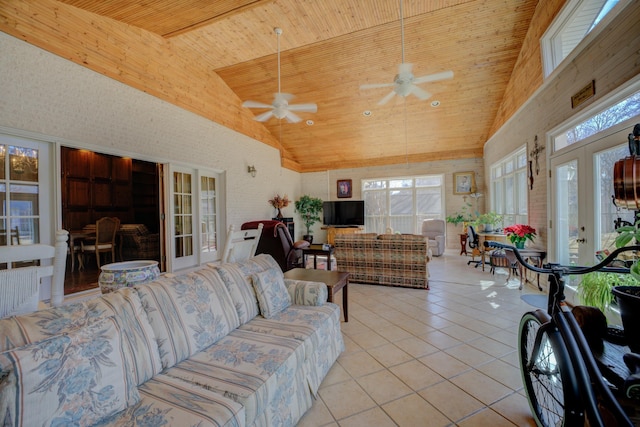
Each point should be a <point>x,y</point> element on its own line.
<point>332,231</point>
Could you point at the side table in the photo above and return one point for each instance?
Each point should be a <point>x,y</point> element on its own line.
<point>463,243</point>
<point>334,280</point>
<point>315,250</point>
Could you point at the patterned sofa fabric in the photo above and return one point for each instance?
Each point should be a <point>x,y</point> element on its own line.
<point>192,351</point>
<point>386,259</point>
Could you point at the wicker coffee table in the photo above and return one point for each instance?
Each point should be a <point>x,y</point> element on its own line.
<point>334,280</point>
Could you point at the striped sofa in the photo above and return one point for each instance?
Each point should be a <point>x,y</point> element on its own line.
<point>226,345</point>
<point>385,259</point>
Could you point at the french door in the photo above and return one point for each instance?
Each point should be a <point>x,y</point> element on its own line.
<point>583,212</point>
<point>195,220</point>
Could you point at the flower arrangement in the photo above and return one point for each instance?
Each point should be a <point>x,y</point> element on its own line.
<point>518,234</point>
<point>279,202</point>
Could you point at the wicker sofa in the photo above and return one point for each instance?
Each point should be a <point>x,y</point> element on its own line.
<point>227,345</point>
<point>136,242</point>
<point>386,259</point>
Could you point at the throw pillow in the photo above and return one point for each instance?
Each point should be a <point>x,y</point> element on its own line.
<point>77,378</point>
<point>271,292</point>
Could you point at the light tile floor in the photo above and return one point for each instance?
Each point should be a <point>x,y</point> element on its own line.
<point>441,357</point>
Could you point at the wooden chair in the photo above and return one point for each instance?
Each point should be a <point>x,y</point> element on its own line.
<point>20,286</point>
<point>105,240</point>
<point>13,234</point>
<point>241,245</point>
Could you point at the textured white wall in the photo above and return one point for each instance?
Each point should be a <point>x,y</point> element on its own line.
<point>51,96</point>
<point>69,104</point>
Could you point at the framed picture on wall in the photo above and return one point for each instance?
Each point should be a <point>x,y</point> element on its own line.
<point>344,188</point>
<point>463,182</point>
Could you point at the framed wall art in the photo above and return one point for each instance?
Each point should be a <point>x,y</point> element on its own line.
<point>463,182</point>
<point>344,188</point>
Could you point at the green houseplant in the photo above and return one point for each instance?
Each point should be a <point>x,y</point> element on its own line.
<point>490,220</point>
<point>309,209</point>
<point>461,216</point>
<point>595,288</point>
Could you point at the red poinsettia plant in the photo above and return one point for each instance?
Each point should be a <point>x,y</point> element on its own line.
<point>279,202</point>
<point>520,233</point>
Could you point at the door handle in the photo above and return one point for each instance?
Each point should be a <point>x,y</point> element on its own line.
<point>581,240</point>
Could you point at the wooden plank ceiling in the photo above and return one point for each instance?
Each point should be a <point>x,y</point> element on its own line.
<point>329,48</point>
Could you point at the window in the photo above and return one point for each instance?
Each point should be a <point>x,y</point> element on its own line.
<point>19,193</point>
<point>509,187</point>
<point>402,203</point>
<point>577,19</point>
<point>625,109</point>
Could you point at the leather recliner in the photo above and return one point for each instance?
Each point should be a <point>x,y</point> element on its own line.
<point>277,242</point>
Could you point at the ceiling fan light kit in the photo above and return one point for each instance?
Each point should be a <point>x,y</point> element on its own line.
<point>405,83</point>
<point>280,107</point>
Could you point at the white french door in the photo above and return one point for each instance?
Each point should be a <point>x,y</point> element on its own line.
<point>583,212</point>
<point>195,219</point>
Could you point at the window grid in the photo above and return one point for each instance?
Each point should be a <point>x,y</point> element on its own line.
<point>509,196</point>
<point>402,203</point>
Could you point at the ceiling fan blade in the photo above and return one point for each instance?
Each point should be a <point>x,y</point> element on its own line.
<point>306,108</point>
<point>291,117</point>
<point>284,96</point>
<point>264,116</point>
<point>255,104</point>
<point>387,98</point>
<point>419,92</point>
<point>375,85</point>
<point>434,77</point>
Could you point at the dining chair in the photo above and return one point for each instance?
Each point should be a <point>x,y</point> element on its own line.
<point>105,239</point>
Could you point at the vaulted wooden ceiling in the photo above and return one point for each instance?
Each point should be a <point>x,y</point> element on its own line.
<point>209,56</point>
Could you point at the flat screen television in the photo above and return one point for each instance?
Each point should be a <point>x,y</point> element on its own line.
<point>343,213</point>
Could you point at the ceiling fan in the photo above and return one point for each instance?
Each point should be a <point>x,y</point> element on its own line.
<point>405,83</point>
<point>280,107</point>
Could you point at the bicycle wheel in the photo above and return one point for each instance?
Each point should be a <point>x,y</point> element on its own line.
<point>547,375</point>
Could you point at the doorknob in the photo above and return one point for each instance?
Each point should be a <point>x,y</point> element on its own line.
<point>581,240</point>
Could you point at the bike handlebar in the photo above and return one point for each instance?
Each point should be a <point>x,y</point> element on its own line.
<point>561,270</point>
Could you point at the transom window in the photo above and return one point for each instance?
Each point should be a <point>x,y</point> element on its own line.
<point>621,111</point>
<point>509,187</point>
<point>577,19</point>
<point>401,204</point>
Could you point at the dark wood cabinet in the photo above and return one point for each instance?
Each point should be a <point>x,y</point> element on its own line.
<point>95,185</point>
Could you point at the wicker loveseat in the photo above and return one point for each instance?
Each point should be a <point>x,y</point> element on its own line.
<point>136,242</point>
<point>386,259</point>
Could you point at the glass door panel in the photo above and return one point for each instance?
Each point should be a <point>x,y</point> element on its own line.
<point>183,247</point>
<point>566,221</point>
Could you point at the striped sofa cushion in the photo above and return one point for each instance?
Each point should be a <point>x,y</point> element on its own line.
<point>188,313</point>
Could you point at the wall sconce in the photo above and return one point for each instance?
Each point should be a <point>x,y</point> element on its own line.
<point>252,170</point>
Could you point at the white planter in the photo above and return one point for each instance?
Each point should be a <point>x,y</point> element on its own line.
<point>126,274</point>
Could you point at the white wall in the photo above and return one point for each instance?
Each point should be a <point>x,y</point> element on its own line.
<point>72,105</point>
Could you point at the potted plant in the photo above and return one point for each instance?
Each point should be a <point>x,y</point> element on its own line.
<point>595,288</point>
<point>309,209</point>
<point>628,294</point>
<point>462,216</point>
<point>279,203</point>
<point>490,220</point>
<point>518,234</point>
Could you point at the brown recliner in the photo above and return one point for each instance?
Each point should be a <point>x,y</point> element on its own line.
<point>277,242</point>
